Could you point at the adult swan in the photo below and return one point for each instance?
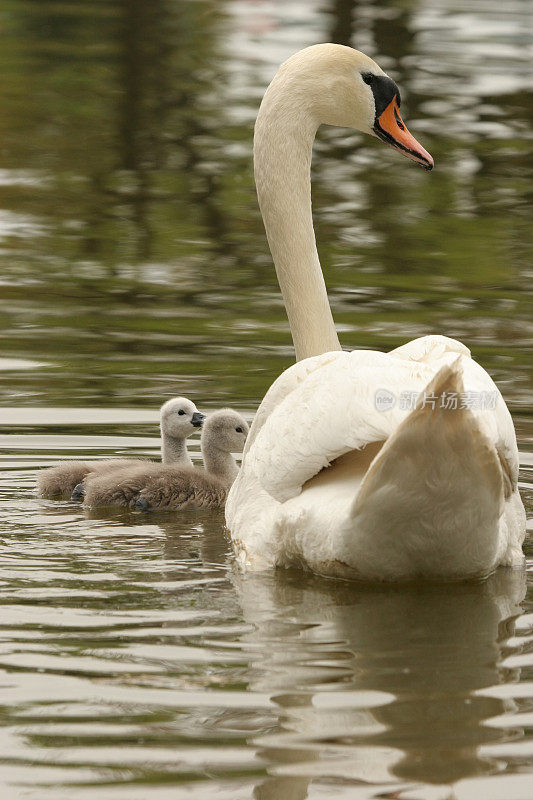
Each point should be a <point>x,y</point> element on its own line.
<point>339,475</point>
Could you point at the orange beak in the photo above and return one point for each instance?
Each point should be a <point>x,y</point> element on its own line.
<point>390,128</point>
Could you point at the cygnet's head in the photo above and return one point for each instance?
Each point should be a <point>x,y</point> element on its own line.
<point>180,418</point>
<point>341,86</point>
<point>226,430</point>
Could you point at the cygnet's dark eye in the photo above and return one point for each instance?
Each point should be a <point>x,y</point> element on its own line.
<point>239,430</point>
<point>181,412</point>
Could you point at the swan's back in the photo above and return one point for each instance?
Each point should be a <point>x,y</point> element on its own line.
<point>166,486</point>
<point>59,482</point>
<point>348,478</point>
<point>176,489</point>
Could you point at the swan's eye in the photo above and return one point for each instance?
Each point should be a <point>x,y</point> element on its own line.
<point>239,430</point>
<point>368,77</point>
<point>181,412</point>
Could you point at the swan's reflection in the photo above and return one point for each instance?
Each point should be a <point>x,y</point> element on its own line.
<point>376,685</point>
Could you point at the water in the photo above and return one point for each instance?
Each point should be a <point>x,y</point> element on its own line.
<point>135,660</point>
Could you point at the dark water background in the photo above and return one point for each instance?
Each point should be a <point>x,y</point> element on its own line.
<point>134,661</point>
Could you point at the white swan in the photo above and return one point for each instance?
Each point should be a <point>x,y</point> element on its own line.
<point>427,493</point>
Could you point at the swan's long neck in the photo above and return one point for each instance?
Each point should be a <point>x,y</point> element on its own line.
<point>283,143</point>
<point>174,450</point>
<point>219,463</point>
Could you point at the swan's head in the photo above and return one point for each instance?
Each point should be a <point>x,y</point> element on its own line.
<point>180,418</point>
<point>341,86</point>
<point>225,430</point>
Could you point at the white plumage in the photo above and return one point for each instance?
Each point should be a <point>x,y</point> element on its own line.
<point>438,500</point>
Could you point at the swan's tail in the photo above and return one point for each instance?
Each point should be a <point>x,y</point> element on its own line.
<point>435,492</point>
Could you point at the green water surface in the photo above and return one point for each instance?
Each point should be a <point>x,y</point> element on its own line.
<point>135,661</point>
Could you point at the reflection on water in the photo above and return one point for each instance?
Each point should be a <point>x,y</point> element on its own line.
<point>134,660</point>
<point>379,685</point>
<point>134,655</point>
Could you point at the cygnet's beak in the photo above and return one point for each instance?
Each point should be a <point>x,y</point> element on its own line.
<point>197,419</point>
<point>390,128</point>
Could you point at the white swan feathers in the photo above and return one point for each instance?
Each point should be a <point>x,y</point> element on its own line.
<point>365,465</point>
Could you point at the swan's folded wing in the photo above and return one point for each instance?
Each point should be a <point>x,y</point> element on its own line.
<point>288,381</point>
<point>488,406</point>
<point>429,349</point>
<point>425,349</point>
<point>334,410</point>
<point>481,394</point>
